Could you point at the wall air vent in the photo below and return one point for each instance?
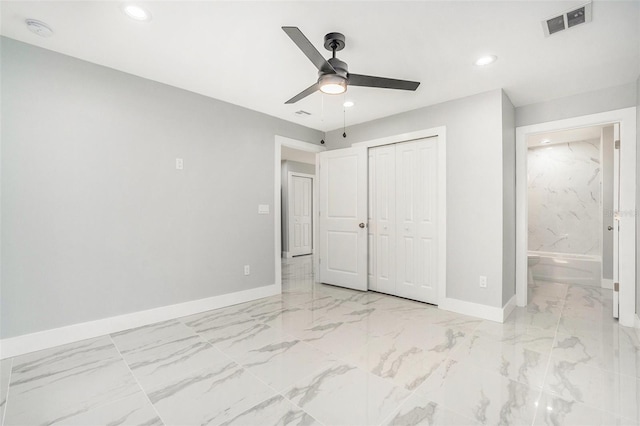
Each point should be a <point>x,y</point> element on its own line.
<point>303,112</point>
<point>567,19</point>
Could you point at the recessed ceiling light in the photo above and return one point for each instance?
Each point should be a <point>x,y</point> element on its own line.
<point>486,60</point>
<point>545,141</point>
<point>136,12</point>
<point>348,104</point>
<point>39,28</point>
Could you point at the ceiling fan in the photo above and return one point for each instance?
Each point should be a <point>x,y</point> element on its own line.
<point>333,74</point>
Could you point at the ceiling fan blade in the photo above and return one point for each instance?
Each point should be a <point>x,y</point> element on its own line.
<point>306,92</point>
<point>307,48</point>
<point>385,83</point>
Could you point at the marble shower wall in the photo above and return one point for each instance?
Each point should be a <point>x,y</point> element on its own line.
<point>564,198</point>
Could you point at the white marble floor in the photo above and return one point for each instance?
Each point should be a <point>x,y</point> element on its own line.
<point>321,355</point>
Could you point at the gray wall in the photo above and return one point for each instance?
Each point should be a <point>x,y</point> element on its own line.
<point>607,202</point>
<point>96,220</point>
<point>610,99</point>
<point>290,166</point>
<point>637,193</point>
<point>508,199</point>
<point>475,193</point>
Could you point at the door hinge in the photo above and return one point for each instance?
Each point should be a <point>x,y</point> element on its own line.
<point>616,144</point>
<point>616,287</point>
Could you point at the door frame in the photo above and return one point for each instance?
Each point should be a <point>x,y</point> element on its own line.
<point>279,142</point>
<point>290,176</point>
<point>441,133</point>
<point>627,252</point>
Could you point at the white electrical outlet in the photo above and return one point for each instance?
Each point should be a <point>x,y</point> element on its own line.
<point>483,281</point>
<point>179,164</point>
<point>247,270</point>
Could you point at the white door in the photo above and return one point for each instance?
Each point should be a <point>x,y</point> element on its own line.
<point>300,215</point>
<point>382,219</point>
<point>416,219</point>
<point>343,217</point>
<point>616,218</point>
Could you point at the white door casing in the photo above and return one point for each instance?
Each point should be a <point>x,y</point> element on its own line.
<point>616,219</point>
<point>343,217</point>
<point>300,214</point>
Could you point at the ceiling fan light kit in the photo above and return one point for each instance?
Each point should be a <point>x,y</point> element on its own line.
<point>333,74</point>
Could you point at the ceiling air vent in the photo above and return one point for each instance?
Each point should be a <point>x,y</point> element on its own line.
<point>302,112</point>
<point>567,19</point>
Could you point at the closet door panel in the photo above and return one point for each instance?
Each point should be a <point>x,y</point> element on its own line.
<point>384,221</point>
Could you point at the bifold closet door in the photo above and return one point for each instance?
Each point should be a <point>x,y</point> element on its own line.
<point>382,219</point>
<point>416,209</point>
<point>402,218</point>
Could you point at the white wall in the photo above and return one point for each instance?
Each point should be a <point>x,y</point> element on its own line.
<point>475,192</point>
<point>290,166</point>
<point>564,198</point>
<point>638,192</point>
<point>96,220</point>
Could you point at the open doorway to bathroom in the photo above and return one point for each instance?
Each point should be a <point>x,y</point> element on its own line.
<point>572,184</point>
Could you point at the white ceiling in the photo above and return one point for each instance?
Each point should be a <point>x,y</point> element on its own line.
<point>236,51</point>
<point>564,136</point>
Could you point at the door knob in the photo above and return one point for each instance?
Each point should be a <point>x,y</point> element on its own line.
<point>362,225</point>
<point>610,228</point>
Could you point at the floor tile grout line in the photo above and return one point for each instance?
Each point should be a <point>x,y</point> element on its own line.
<point>546,373</point>
<point>6,399</point>
<point>136,379</point>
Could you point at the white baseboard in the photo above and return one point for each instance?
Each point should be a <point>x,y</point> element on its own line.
<point>19,345</point>
<point>607,284</point>
<point>477,310</point>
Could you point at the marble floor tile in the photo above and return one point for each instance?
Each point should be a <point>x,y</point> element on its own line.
<point>555,411</point>
<point>512,360</point>
<point>548,289</point>
<point>130,411</point>
<point>274,411</point>
<point>211,396</point>
<point>345,395</point>
<point>485,396</point>
<point>282,363</point>
<point>165,336</point>
<point>615,393</point>
<point>615,354</point>
<point>5,375</point>
<point>67,380</point>
<point>419,410</point>
<point>407,357</point>
<point>324,355</point>
<point>336,338</point>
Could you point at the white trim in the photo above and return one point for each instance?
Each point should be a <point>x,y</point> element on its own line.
<point>286,255</point>
<point>441,133</point>
<point>490,313</point>
<point>627,257</point>
<point>607,283</point>
<point>281,141</point>
<point>26,343</point>
<point>637,322</point>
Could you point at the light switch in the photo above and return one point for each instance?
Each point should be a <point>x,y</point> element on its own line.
<point>263,208</point>
<point>179,164</point>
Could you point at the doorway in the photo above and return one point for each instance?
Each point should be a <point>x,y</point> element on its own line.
<point>573,177</point>
<point>594,264</point>
<point>299,158</point>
